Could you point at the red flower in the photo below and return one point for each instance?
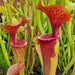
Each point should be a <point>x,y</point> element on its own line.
<point>14,69</point>
<point>57,15</point>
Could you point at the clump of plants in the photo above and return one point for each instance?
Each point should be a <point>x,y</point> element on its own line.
<point>29,37</point>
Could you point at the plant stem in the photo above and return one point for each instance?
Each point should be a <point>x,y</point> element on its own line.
<point>35,14</point>
<point>51,2</point>
<point>29,55</point>
<point>70,37</point>
<point>22,72</point>
<point>45,2</point>
<point>40,28</point>
<point>69,65</point>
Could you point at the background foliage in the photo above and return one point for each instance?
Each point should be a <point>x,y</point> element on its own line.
<point>38,20</point>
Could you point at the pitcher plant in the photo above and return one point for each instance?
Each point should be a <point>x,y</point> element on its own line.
<point>57,15</point>
<point>18,46</point>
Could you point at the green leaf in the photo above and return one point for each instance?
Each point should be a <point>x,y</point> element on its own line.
<point>4,52</point>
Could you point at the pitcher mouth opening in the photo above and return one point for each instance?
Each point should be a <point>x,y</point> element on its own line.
<point>18,43</point>
<point>47,37</point>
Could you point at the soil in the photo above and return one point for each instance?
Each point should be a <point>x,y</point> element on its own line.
<point>38,71</point>
<point>70,72</point>
<point>1,71</point>
<point>58,72</point>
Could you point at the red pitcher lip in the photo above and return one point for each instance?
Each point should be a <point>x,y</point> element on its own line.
<point>47,37</point>
<point>18,43</point>
<point>14,69</point>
